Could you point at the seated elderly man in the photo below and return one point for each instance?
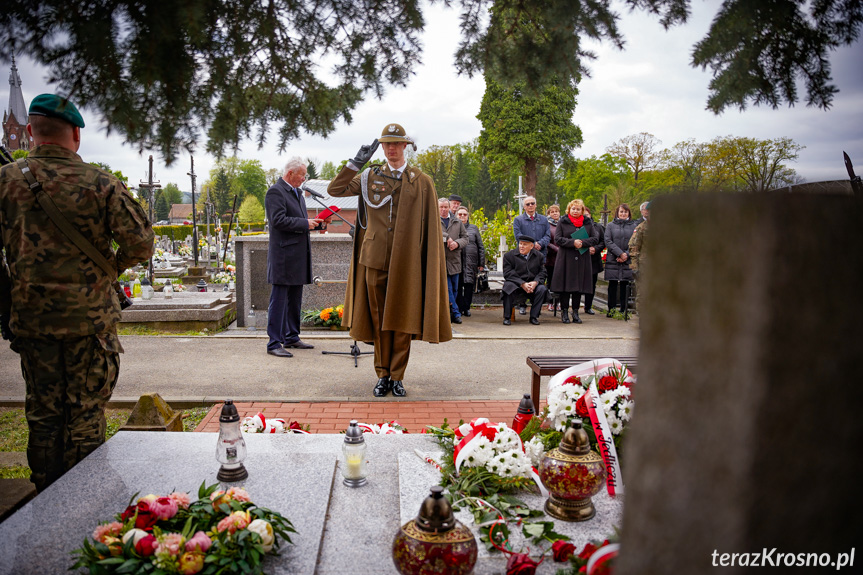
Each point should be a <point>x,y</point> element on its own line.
<point>523,275</point>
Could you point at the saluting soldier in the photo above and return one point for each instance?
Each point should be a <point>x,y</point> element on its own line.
<point>64,308</point>
<point>397,288</point>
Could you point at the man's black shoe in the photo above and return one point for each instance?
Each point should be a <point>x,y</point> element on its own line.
<point>299,344</point>
<point>522,310</point>
<point>383,387</point>
<point>398,388</point>
<point>279,352</point>
<point>534,321</point>
<point>455,319</point>
<point>506,321</point>
<point>589,311</point>
<point>466,313</point>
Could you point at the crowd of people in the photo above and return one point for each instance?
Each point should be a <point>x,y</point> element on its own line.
<point>558,257</point>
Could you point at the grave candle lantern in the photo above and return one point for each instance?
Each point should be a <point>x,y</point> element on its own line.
<point>524,414</point>
<point>146,289</point>
<point>168,290</point>
<point>572,473</point>
<point>354,450</point>
<point>231,447</point>
<point>202,285</point>
<point>435,542</point>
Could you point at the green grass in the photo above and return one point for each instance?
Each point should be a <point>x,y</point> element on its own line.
<point>14,432</point>
<point>143,330</point>
<point>15,472</point>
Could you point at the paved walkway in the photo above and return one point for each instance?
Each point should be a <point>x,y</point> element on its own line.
<point>485,361</point>
<point>333,417</point>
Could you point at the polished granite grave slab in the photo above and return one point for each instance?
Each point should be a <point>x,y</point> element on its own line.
<point>416,476</point>
<point>341,530</point>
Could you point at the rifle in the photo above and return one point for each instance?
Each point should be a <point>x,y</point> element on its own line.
<point>856,182</point>
<point>5,156</point>
<point>5,278</point>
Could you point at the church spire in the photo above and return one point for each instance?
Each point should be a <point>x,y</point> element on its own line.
<point>16,96</point>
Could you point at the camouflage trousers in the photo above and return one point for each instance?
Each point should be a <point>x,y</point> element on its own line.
<point>69,383</point>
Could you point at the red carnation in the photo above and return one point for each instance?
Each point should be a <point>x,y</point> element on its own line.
<point>572,380</point>
<point>607,383</point>
<point>561,550</point>
<point>295,425</point>
<point>520,564</point>
<point>581,407</point>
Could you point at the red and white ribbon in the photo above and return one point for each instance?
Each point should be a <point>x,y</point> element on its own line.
<point>390,428</point>
<point>598,367</point>
<point>598,562</point>
<point>605,441</point>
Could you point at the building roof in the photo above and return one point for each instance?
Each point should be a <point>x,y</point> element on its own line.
<point>180,211</point>
<point>320,186</point>
<point>16,96</point>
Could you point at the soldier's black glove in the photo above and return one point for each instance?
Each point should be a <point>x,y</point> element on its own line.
<point>5,330</point>
<point>365,154</point>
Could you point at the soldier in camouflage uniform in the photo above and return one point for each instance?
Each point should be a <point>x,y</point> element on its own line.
<point>64,310</point>
<point>636,254</point>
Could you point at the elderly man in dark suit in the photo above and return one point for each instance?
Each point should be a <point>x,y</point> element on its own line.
<point>523,276</point>
<point>289,261</point>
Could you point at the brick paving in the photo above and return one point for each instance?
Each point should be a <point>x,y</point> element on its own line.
<point>333,416</point>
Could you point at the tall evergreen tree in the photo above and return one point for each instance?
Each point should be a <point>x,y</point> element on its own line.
<point>312,170</point>
<point>161,209</point>
<point>521,130</point>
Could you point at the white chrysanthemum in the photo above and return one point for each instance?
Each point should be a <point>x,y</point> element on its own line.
<point>615,424</point>
<point>622,391</point>
<point>624,410</point>
<point>534,450</point>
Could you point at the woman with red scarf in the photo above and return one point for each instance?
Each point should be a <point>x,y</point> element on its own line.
<point>573,270</point>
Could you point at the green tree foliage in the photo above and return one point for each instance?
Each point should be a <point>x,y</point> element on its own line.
<point>437,163</point>
<point>521,130</point>
<point>312,169</point>
<point>234,69</point>
<point>161,209</point>
<point>752,165</point>
<point>242,178</point>
<point>591,178</point>
<point>486,194</point>
<point>328,171</point>
<point>107,168</point>
<point>251,210</point>
<point>161,73</point>
<point>221,190</point>
<point>172,194</point>
<point>18,154</point>
<point>758,50</point>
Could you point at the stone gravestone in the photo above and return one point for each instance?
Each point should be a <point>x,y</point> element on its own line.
<point>748,430</point>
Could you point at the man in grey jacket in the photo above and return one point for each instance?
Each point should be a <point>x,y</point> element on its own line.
<point>455,238</point>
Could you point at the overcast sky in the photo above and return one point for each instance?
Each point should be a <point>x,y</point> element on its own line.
<point>647,87</point>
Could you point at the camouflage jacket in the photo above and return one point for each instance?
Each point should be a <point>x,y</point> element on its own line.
<point>56,290</point>
<point>636,246</point>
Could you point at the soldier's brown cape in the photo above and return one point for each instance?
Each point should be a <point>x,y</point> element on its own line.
<point>417,299</point>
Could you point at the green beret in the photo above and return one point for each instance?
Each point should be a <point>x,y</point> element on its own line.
<point>55,106</point>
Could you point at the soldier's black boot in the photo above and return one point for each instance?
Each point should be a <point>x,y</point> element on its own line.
<point>383,386</point>
<point>575,318</point>
<point>564,316</point>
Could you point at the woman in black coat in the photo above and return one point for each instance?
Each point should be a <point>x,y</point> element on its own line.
<point>596,263</point>
<point>573,269</point>
<point>472,259</point>
<point>617,272</point>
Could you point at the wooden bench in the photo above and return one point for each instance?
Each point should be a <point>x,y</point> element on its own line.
<point>554,364</point>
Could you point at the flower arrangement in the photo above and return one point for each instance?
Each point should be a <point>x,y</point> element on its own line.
<point>386,428</point>
<point>221,532</point>
<point>327,317</point>
<point>258,423</point>
<point>184,250</point>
